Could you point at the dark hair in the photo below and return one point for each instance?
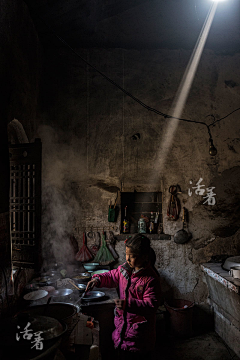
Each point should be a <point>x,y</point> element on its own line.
<point>139,244</point>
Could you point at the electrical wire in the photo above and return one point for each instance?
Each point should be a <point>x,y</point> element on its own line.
<point>215,121</point>
<point>166,116</point>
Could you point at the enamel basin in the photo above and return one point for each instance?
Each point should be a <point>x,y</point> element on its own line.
<point>230,262</point>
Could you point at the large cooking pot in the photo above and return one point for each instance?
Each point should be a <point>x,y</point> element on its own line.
<point>27,337</point>
<point>60,311</point>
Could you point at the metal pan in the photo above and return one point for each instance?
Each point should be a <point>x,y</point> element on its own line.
<point>61,292</point>
<point>182,236</point>
<point>35,295</point>
<point>93,295</point>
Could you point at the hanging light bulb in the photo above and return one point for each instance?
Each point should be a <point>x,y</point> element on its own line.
<point>212,149</point>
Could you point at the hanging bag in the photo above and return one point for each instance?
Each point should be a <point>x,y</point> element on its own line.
<point>94,247</point>
<point>112,211</point>
<point>84,255</point>
<point>104,256</point>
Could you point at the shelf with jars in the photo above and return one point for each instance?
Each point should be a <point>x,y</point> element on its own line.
<point>141,212</point>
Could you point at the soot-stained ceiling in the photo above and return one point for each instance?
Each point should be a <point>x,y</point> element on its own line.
<point>136,24</point>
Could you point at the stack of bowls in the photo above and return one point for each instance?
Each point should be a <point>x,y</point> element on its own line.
<point>91,266</point>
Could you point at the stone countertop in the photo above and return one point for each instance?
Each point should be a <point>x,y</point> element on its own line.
<point>110,295</point>
<point>216,271</point>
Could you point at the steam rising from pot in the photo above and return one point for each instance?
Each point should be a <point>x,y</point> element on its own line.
<point>61,167</point>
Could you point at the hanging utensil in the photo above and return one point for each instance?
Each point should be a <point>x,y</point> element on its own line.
<point>174,206</point>
<point>182,235</point>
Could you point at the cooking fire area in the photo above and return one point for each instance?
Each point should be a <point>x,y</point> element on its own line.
<point>63,317</point>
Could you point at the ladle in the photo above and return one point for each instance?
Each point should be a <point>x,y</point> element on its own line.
<point>46,306</point>
<point>72,283</point>
<point>81,297</point>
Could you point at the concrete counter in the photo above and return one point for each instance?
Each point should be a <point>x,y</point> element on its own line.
<point>222,276</point>
<point>224,299</point>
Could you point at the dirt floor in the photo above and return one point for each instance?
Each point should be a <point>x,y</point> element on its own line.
<point>207,346</point>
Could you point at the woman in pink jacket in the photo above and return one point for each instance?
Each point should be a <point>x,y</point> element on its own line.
<point>139,297</point>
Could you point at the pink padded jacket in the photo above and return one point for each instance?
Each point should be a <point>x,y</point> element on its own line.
<point>136,324</point>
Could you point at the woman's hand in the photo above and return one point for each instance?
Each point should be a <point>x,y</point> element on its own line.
<point>120,303</point>
<point>91,284</point>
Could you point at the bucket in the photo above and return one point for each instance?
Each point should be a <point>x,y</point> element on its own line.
<point>180,317</point>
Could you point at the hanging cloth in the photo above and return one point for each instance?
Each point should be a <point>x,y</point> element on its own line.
<point>110,240</point>
<point>95,244</point>
<point>104,256</point>
<point>83,255</point>
<point>174,205</point>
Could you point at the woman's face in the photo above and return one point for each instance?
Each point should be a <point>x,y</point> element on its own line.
<point>135,261</point>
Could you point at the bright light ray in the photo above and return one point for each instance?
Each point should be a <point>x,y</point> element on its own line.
<point>183,90</point>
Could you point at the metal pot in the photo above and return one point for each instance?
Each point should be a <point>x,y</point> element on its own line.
<point>27,337</point>
<point>59,311</point>
<point>82,278</point>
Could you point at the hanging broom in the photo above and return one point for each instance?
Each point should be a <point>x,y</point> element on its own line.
<point>104,257</point>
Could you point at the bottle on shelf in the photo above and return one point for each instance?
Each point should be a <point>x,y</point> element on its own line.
<point>160,228</point>
<point>151,223</point>
<point>156,222</point>
<point>125,222</point>
<point>142,228</point>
